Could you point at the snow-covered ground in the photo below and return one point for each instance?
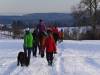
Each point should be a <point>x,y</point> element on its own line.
<point>73,58</point>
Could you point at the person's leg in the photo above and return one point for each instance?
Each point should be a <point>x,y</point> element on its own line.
<point>29,54</point>
<point>39,47</point>
<point>51,58</point>
<point>35,50</point>
<point>25,50</point>
<point>47,57</point>
<point>42,53</point>
<point>62,39</point>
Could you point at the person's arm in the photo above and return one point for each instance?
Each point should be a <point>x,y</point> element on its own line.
<point>24,40</point>
<point>54,46</point>
<point>45,44</point>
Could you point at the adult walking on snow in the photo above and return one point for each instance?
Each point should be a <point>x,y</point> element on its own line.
<point>35,42</point>
<point>50,47</point>
<point>55,33</point>
<point>28,43</point>
<point>41,26</point>
<point>41,36</point>
<point>61,35</point>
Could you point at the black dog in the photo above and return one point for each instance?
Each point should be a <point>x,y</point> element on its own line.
<point>22,59</point>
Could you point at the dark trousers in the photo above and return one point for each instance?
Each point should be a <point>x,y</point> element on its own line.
<point>41,51</point>
<point>34,50</point>
<point>28,53</point>
<point>49,57</point>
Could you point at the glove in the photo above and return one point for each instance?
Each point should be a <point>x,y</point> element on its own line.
<point>55,52</point>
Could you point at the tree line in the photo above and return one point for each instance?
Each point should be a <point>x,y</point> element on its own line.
<point>87,13</point>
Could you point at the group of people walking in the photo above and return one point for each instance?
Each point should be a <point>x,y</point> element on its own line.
<point>44,39</point>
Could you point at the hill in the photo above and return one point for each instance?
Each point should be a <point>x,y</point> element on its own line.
<point>65,19</point>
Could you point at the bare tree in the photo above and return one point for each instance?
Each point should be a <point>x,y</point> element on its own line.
<point>91,6</point>
<point>88,9</point>
<point>80,16</point>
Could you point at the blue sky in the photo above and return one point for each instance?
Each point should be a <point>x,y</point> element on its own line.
<point>18,7</point>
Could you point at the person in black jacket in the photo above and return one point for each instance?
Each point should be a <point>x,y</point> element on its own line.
<point>35,44</point>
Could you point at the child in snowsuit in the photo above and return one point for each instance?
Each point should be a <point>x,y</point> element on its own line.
<point>50,47</point>
<point>28,43</point>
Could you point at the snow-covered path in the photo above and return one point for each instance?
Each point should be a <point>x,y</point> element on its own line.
<point>73,58</point>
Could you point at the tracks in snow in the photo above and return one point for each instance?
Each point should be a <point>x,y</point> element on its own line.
<point>58,68</point>
<point>37,66</point>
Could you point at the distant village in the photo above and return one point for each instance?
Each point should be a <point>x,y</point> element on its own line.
<point>70,33</point>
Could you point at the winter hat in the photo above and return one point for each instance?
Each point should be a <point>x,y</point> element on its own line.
<point>40,20</point>
<point>49,31</point>
<point>27,29</point>
<point>61,30</point>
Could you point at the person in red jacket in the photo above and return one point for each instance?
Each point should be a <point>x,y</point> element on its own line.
<point>55,34</point>
<point>50,47</point>
<point>61,35</point>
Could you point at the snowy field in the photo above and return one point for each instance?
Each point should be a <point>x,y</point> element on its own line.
<point>73,58</point>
